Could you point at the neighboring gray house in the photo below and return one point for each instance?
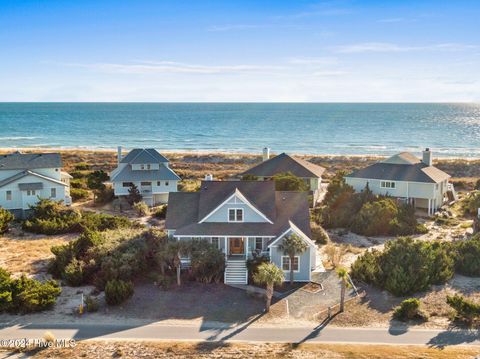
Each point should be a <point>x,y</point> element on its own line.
<point>406,177</point>
<point>26,177</point>
<point>149,171</point>
<point>282,163</point>
<point>243,219</point>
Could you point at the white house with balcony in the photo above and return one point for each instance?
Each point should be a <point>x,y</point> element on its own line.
<point>408,178</point>
<point>26,177</point>
<point>149,171</point>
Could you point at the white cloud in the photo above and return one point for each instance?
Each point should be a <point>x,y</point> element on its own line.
<point>312,60</point>
<point>329,73</point>
<point>152,67</point>
<point>389,47</point>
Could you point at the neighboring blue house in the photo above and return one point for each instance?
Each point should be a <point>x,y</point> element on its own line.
<point>149,171</point>
<point>244,219</point>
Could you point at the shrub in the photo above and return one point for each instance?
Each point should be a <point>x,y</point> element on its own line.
<point>134,195</point>
<point>81,166</point>
<point>249,177</point>
<point>319,235</point>
<point>375,218</point>
<point>91,304</point>
<point>472,203</point>
<point>25,295</point>
<point>409,309</point>
<point>5,219</point>
<point>405,266</point>
<point>289,182</point>
<point>468,256</point>
<point>79,194</point>
<point>465,310</point>
<point>74,273</point>
<point>118,291</point>
<point>141,208</point>
<point>104,195</point>
<point>253,264</point>
<point>477,185</point>
<point>161,212</point>
<point>207,261</point>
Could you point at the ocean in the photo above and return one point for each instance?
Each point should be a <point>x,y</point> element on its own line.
<point>451,130</point>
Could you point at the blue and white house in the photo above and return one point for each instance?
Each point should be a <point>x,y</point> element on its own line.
<point>27,177</point>
<point>244,219</point>
<point>149,171</point>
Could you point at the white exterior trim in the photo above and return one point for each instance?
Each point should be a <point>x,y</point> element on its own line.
<point>289,264</point>
<point>294,228</point>
<point>242,197</point>
<point>235,209</point>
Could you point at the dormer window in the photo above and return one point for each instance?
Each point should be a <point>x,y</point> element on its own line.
<point>148,166</point>
<point>235,215</point>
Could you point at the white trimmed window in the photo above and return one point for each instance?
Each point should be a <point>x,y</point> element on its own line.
<point>286,263</point>
<point>216,242</point>
<point>8,195</point>
<point>258,243</point>
<point>166,183</point>
<point>146,184</point>
<point>127,184</point>
<point>235,215</point>
<point>387,184</point>
<point>30,192</point>
<point>148,166</point>
<point>159,183</point>
<point>53,192</point>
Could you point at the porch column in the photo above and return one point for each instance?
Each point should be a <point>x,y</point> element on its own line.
<point>226,249</point>
<point>246,246</point>
<point>429,204</point>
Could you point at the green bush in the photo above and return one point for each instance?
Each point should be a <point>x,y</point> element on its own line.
<point>472,203</point>
<point>289,182</point>
<point>405,266</point>
<point>73,273</point>
<point>25,295</point>
<point>465,310</point>
<point>81,166</point>
<point>161,212</point>
<point>409,309</point>
<point>79,194</point>
<point>6,217</point>
<point>365,213</point>
<point>253,264</point>
<point>468,256</point>
<point>118,291</point>
<point>49,217</point>
<point>249,177</point>
<point>91,304</point>
<point>141,208</point>
<point>207,261</point>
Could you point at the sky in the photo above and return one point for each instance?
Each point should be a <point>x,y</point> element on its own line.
<point>240,51</point>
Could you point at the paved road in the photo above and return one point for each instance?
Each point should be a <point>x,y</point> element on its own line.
<point>157,331</point>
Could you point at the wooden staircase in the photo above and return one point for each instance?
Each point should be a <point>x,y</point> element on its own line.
<point>236,271</point>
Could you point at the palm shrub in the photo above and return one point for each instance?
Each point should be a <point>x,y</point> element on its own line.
<point>118,291</point>
<point>269,275</point>
<point>291,246</point>
<point>409,309</point>
<point>344,283</point>
<point>6,217</point>
<point>253,264</point>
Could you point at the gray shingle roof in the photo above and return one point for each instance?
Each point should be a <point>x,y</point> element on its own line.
<point>286,163</point>
<point>143,155</point>
<point>183,213</point>
<point>261,194</point>
<point>25,161</point>
<point>402,167</point>
<point>162,174</point>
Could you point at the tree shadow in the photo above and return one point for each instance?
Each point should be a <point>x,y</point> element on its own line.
<point>316,331</point>
<point>454,337</point>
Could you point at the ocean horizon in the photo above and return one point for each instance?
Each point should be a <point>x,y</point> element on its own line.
<point>449,129</point>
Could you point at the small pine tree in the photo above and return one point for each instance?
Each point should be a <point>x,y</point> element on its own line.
<point>134,195</point>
